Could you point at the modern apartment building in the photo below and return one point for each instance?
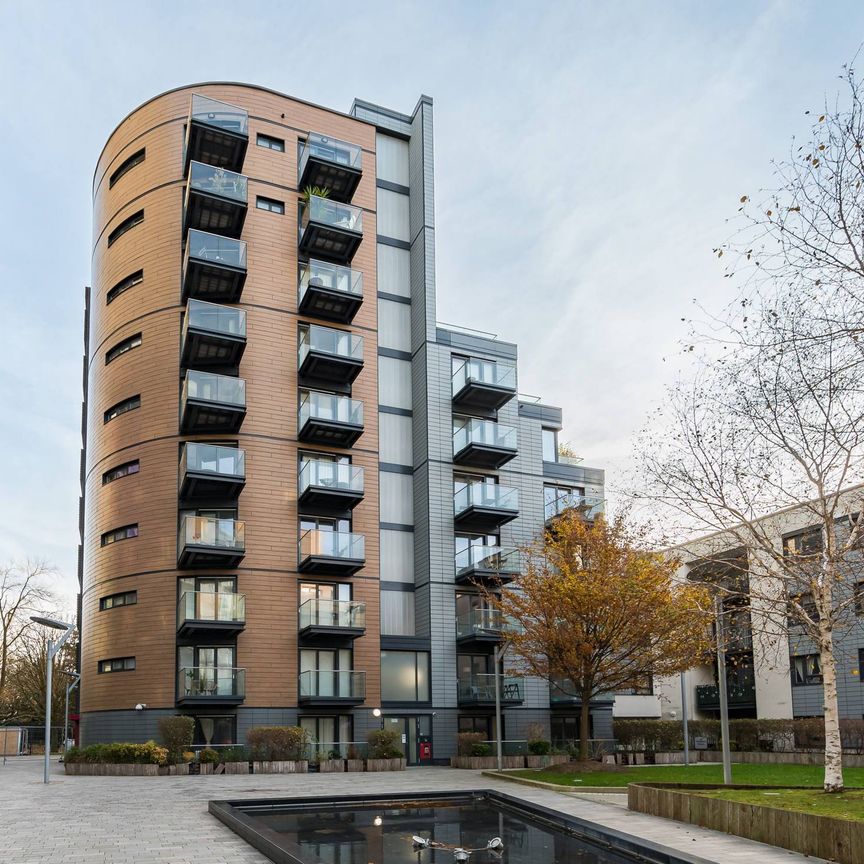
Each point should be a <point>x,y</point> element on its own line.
<point>293,478</point>
<point>772,667</point>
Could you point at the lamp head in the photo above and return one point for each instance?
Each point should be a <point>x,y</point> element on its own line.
<point>53,623</point>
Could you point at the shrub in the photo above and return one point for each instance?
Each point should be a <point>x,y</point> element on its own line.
<point>208,756</point>
<point>119,754</point>
<point>466,741</point>
<point>278,743</point>
<point>233,754</point>
<point>539,747</point>
<point>481,749</point>
<point>852,732</point>
<point>176,734</point>
<point>384,744</point>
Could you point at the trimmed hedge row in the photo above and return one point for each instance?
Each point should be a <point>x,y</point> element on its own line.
<point>116,754</point>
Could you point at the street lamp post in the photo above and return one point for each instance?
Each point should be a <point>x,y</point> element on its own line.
<point>76,677</point>
<point>721,692</point>
<point>498,657</point>
<point>53,648</point>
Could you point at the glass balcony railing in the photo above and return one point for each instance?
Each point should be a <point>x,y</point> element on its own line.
<point>333,277</point>
<point>326,340</point>
<point>332,544</point>
<point>215,318</point>
<point>349,614</point>
<point>332,214</point>
<point>213,459</point>
<point>211,606</point>
<point>708,695</point>
<point>490,496</point>
<point>492,372</point>
<point>203,682</point>
<point>484,622</point>
<point>212,532</point>
<point>587,505</point>
<point>210,387</point>
<point>492,558</point>
<point>483,433</point>
<point>341,684</point>
<point>209,180</point>
<point>216,249</point>
<point>220,115</point>
<point>481,688</point>
<point>330,150</point>
<point>335,476</point>
<point>326,407</point>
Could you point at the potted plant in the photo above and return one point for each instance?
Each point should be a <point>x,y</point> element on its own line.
<point>333,764</point>
<point>384,754</point>
<point>355,761</point>
<point>278,749</point>
<point>234,760</point>
<point>208,759</point>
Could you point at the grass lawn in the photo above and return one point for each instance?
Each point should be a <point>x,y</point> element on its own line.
<point>756,775</point>
<point>846,805</point>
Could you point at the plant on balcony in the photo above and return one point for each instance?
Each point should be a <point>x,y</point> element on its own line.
<point>278,743</point>
<point>313,191</point>
<point>384,744</point>
<point>176,734</point>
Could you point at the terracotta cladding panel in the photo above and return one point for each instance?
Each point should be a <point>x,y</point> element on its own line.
<point>268,646</point>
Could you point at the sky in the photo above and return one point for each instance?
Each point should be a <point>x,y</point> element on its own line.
<point>587,158</point>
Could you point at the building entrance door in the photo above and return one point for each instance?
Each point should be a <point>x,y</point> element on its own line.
<point>412,732</point>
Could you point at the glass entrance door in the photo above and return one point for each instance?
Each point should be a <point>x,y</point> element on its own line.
<point>412,732</point>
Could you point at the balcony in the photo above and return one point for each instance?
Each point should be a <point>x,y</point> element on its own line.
<point>483,443</point>
<point>216,133</point>
<point>487,565</point>
<point>210,472</point>
<point>484,385</point>
<point>737,696</point>
<point>586,506</point>
<point>205,541</point>
<point>321,687</point>
<point>479,690</point>
<point>210,685</point>
<point>213,335</point>
<point>332,619</point>
<point>484,627</point>
<point>330,230</point>
<point>328,355</point>
<point>210,612</point>
<point>325,418</point>
<point>215,200</point>
<point>338,553</point>
<point>562,693</point>
<point>484,507</point>
<point>214,267</point>
<point>212,403</point>
<point>329,291</point>
<point>330,164</point>
<point>327,485</point>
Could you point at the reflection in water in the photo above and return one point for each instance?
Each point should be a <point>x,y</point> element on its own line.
<point>383,836</point>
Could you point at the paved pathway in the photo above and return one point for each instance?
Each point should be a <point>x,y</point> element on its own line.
<point>164,820</point>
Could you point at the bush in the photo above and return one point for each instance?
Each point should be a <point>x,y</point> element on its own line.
<point>278,743</point>
<point>466,741</point>
<point>538,747</point>
<point>176,734</point>
<point>384,744</point>
<point>208,756</point>
<point>481,749</point>
<point>118,754</point>
<point>233,754</point>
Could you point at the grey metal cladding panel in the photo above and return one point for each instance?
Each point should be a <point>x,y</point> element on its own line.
<point>574,473</point>
<point>536,694</point>
<point>384,118</point>
<point>109,727</point>
<point>422,611</point>
<point>476,345</point>
<point>445,725</point>
<point>518,722</point>
<point>440,403</point>
<point>421,524</point>
<point>548,415</point>
<point>443,639</point>
<point>419,390</point>
<point>441,557</point>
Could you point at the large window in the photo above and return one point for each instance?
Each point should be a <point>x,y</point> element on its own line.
<point>807,542</point>
<point>214,730</point>
<point>550,445</point>
<point>405,676</point>
<point>329,734</point>
<point>806,669</point>
<point>397,613</point>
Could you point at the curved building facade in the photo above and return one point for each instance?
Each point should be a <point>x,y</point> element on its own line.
<point>292,477</point>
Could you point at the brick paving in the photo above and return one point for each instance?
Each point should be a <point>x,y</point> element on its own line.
<point>164,820</point>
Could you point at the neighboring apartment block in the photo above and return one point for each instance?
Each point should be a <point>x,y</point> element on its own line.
<point>293,478</point>
<point>772,667</point>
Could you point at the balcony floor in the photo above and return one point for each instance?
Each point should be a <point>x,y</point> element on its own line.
<point>483,520</point>
<point>341,180</point>
<point>196,557</point>
<point>332,244</point>
<point>330,432</point>
<point>215,146</point>
<point>484,456</point>
<point>330,304</point>
<point>192,627</point>
<point>325,564</point>
<point>203,416</point>
<point>483,397</point>
<point>215,283</point>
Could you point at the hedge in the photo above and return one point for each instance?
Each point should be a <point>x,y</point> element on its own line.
<point>384,744</point>
<point>118,754</point>
<point>278,743</point>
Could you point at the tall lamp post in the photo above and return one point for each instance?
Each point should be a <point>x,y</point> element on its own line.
<point>500,650</point>
<point>76,677</point>
<point>53,648</point>
<point>721,692</point>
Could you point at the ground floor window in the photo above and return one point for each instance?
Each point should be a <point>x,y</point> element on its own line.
<point>211,730</point>
<point>565,728</point>
<point>333,734</point>
<point>477,724</point>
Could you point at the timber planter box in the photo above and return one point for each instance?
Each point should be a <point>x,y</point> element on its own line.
<point>821,836</point>
<point>300,767</point>
<point>175,770</point>
<point>331,766</point>
<point>486,763</point>
<point>546,760</point>
<point>354,765</point>
<point>385,764</point>
<point>95,769</point>
<point>235,767</point>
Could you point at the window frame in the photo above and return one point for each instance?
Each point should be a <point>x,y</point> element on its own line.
<point>809,677</point>
<point>111,474</point>
<point>127,405</point>
<point>124,285</point>
<point>123,347</point>
<point>109,538</point>
<point>126,166</point>
<point>126,667</point>
<point>126,225</point>
<point>105,605</point>
<point>269,140</point>
<point>261,199</point>
<point>417,660</point>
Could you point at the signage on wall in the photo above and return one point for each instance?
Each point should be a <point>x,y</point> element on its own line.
<point>700,743</point>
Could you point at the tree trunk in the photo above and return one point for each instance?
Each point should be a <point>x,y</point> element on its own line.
<point>833,743</point>
<point>585,725</point>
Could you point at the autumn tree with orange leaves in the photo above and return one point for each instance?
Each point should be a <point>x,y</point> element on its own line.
<point>599,612</point>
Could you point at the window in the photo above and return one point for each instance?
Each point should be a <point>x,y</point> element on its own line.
<point>123,470</point>
<point>117,664</point>
<point>270,204</point>
<point>807,542</point>
<point>271,143</point>
<point>807,603</point>
<point>129,404</point>
<point>329,733</point>
<point>405,676</point>
<point>859,598</point>
<point>126,225</point>
<point>806,669</point>
<point>477,724</point>
<point>214,730</point>
<point>549,439</point>
<point>397,613</point>
<point>126,166</point>
<point>557,499</point>
<point>124,533</point>
<point>124,285</point>
<point>127,598</point>
<point>122,348</point>
<point>643,687</point>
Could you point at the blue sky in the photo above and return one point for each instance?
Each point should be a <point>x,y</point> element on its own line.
<point>587,157</point>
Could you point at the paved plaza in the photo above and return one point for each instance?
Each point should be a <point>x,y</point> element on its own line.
<point>164,820</point>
